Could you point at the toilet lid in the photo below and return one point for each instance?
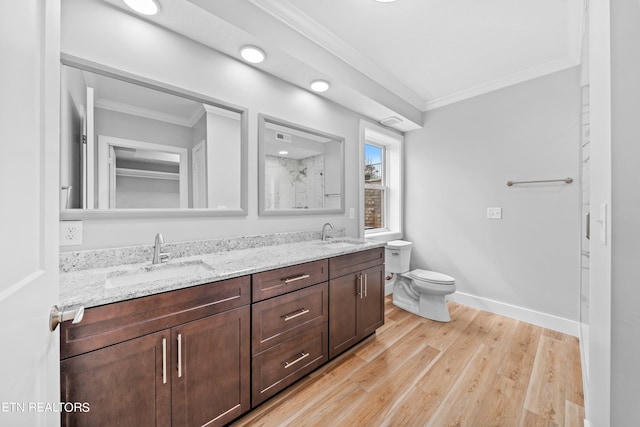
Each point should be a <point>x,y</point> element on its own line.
<point>398,244</point>
<point>432,277</point>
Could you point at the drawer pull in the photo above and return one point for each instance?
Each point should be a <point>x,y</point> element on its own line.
<point>295,279</point>
<point>303,355</point>
<point>295,314</point>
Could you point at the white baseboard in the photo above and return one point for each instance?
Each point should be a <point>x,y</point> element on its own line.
<point>566,326</point>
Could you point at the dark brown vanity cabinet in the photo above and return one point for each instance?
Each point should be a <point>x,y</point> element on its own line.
<point>205,355</point>
<point>356,298</point>
<point>289,330</point>
<point>181,358</point>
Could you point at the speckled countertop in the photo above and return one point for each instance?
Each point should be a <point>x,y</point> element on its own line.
<point>94,286</point>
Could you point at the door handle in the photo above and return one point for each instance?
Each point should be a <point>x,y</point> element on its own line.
<point>164,360</point>
<point>57,316</point>
<point>365,285</point>
<point>588,221</point>
<point>179,355</point>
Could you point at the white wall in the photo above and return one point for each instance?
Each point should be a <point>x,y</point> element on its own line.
<point>625,212</point>
<point>104,34</point>
<point>458,165</point>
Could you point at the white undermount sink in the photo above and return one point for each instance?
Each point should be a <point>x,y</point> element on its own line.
<point>340,244</point>
<point>153,273</point>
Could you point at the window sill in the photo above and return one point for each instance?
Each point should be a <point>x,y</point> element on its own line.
<point>383,235</point>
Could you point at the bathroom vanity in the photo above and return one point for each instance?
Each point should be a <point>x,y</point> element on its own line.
<point>207,353</point>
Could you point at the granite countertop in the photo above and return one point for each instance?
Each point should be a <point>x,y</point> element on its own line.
<point>94,286</point>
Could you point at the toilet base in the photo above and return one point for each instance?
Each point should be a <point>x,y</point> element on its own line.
<point>429,306</point>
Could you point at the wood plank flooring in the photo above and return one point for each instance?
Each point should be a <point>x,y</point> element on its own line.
<point>480,370</point>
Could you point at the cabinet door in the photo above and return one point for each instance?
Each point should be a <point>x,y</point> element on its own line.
<point>371,314</point>
<point>211,368</point>
<point>124,384</point>
<point>343,313</point>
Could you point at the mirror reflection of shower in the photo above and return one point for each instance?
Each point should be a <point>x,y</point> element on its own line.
<point>295,163</point>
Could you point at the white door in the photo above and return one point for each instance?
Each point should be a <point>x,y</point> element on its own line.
<point>29,180</point>
<point>199,175</point>
<point>89,150</point>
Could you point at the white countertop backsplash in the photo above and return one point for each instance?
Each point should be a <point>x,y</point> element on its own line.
<point>83,275</point>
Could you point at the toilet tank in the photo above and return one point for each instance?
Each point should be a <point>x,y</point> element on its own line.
<point>397,254</point>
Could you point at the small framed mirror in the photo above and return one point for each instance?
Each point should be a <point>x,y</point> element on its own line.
<point>130,146</point>
<point>301,170</point>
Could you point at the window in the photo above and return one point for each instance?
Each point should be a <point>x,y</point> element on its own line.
<point>381,185</point>
<point>374,187</point>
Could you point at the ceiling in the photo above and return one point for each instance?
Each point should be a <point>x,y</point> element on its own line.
<point>397,59</point>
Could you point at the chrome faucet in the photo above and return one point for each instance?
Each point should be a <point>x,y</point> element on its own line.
<point>324,230</point>
<point>158,255</point>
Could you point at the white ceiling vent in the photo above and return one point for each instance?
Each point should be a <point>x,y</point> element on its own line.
<point>390,121</point>
<point>283,137</point>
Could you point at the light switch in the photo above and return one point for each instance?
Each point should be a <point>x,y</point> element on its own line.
<point>352,213</point>
<point>494,213</point>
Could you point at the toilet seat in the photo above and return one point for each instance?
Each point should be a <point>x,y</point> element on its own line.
<point>431,277</point>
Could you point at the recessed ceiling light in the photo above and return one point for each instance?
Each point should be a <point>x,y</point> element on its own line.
<point>385,1</point>
<point>319,85</point>
<point>145,7</point>
<point>252,54</point>
<point>283,152</point>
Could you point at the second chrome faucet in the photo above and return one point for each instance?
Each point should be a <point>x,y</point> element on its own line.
<point>158,255</point>
<point>324,230</point>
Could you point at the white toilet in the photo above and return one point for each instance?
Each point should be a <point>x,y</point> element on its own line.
<point>421,292</point>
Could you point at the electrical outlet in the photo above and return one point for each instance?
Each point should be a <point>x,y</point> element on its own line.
<point>352,213</point>
<point>70,233</point>
<point>494,213</point>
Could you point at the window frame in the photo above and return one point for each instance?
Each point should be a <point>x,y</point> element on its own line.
<point>393,180</point>
<point>382,186</point>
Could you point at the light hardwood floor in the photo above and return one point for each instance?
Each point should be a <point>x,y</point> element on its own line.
<point>480,370</point>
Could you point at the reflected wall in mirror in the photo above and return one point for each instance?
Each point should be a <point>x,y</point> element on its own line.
<point>301,169</point>
<point>128,144</point>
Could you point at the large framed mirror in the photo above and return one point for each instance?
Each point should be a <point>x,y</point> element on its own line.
<point>130,146</point>
<point>301,170</point>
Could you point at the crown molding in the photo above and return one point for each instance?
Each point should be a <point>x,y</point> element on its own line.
<point>506,81</point>
<point>287,13</point>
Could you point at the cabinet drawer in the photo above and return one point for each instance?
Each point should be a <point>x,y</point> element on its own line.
<point>113,323</point>
<point>278,319</point>
<point>282,365</point>
<point>350,263</point>
<point>277,282</point>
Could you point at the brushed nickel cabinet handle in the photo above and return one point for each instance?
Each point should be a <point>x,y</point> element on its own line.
<point>365,285</point>
<point>295,279</point>
<point>360,280</point>
<point>295,314</point>
<point>303,355</point>
<point>164,360</point>
<point>179,355</point>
